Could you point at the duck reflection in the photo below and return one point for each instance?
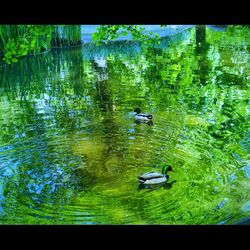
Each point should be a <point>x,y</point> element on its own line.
<point>149,123</point>
<point>166,185</point>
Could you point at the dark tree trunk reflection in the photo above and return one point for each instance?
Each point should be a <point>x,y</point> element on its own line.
<point>105,101</point>
<point>201,52</point>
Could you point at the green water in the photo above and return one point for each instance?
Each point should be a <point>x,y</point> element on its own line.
<point>70,150</point>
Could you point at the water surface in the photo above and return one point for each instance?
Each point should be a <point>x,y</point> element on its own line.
<point>70,150</point>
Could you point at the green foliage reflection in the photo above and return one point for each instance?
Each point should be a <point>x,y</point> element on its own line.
<point>70,152</point>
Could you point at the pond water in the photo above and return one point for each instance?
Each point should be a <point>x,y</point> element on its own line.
<point>71,151</point>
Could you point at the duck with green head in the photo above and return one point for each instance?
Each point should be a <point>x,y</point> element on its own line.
<point>143,117</point>
<point>155,177</point>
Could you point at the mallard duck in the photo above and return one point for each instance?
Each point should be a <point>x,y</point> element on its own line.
<point>154,177</point>
<point>139,116</point>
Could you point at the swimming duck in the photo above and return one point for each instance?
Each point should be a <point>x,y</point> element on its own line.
<point>154,177</point>
<point>139,116</point>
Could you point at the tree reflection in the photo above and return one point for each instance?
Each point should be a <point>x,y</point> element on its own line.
<point>69,151</point>
<point>201,49</point>
<point>113,137</point>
